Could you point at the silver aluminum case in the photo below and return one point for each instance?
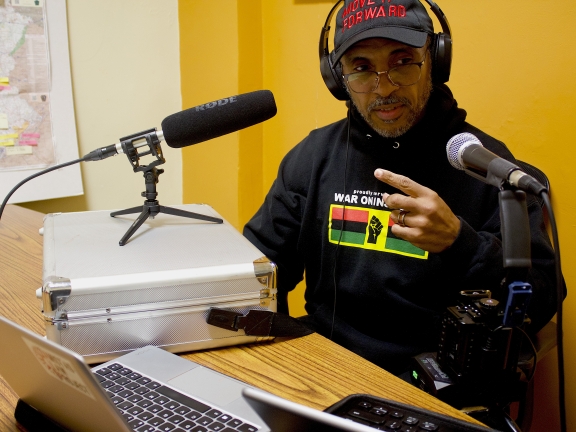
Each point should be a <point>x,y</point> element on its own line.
<point>103,300</point>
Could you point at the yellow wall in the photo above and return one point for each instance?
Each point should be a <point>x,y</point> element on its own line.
<point>513,72</point>
<point>209,70</point>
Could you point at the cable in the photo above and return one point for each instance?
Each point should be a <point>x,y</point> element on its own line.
<point>534,353</point>
<point>39,173</point>
<point>342,229</point>
<point>559,313</point>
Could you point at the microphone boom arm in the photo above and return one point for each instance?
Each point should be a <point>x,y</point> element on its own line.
<point>516,251</point>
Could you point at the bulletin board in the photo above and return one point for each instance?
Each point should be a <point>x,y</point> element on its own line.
<point>37,123</point>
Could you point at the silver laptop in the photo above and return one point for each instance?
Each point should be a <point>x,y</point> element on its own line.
<point>146,390</point>
<point>57,382</point>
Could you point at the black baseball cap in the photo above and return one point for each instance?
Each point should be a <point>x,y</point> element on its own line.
<point>405,21</point>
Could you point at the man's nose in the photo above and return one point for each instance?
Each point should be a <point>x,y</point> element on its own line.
<point>385,88</point>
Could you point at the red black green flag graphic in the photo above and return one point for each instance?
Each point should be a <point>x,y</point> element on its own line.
<point>368,228</point>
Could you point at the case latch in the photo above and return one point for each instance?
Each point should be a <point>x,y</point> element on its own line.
<point>55,293</point>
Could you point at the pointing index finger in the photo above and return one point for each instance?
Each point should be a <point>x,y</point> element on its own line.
<point>403,183</point>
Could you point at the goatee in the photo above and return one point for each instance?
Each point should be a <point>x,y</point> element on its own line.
<point>414,114</point>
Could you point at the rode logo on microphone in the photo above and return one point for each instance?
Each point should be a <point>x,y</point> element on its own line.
<point>219,102</point>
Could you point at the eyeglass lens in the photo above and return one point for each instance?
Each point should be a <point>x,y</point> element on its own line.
<point>365,82</point>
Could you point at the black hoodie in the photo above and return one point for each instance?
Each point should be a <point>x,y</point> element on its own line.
<point>389,294</point>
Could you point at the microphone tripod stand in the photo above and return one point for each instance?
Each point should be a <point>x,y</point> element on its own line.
<point>151,205</point>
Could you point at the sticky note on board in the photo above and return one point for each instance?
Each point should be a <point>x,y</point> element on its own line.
<point>8,137</point>
<point>4,80</point>
<point>18,150</point>
<point>6,143</point>
<point>3,121</point>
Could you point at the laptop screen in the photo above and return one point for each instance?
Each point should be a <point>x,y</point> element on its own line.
<point>55,381</point>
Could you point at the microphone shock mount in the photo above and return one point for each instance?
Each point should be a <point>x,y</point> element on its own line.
<point>151,207</point>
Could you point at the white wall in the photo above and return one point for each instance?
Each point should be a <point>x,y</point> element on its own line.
<point>125,66</point>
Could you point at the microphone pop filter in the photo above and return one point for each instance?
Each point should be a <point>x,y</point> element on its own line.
<point>217,118</point>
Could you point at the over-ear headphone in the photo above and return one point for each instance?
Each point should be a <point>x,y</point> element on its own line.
<point>441,54</point>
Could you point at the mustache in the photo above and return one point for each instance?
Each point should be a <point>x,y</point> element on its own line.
<point>389,101</point>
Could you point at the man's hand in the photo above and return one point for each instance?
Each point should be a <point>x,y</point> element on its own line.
<point>428,221</point>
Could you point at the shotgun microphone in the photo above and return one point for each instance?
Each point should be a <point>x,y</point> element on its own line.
<point>217,118</point>
<point>202,123</point>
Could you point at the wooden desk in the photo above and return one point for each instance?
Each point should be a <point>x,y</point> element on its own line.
<point>310,370</point>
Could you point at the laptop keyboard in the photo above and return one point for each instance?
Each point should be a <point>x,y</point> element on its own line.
<point>149,406</point>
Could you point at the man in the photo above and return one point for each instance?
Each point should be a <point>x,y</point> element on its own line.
<point>386,231</point>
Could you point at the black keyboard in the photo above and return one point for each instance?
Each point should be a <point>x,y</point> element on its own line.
<point>392,416</point>
<point>149,406</point>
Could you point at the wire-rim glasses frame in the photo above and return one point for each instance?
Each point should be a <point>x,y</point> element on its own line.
<point>400,71</point>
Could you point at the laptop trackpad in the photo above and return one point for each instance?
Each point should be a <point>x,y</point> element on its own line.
<point>210,386</point>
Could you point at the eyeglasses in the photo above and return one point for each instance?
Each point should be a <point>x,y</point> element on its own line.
<point>399,76</point>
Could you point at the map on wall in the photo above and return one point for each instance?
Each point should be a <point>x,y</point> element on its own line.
<point>26,138</point>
